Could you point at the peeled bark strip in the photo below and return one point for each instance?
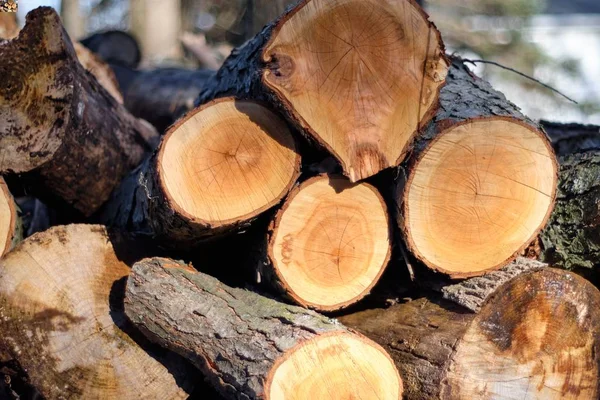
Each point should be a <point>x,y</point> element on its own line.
<point>536,337</point>
<point>10,224</point>
<point>161,96</point>
<point>57,124</point>
<point>359,76</point>
<point>61,299</point>
<point>250,346</point>
<point>479,184</point>
<point>329,244</point>
<point>572,238</point>
<point>217,169</point>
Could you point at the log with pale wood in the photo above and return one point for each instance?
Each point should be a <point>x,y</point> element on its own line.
<point>11,230</point>
<point>217,169</point>
<point>418,181</point>
<point>77,142</point>
<point>358,76</point>
<point>479,184</point>
<point>535,336</point>
<point>328,244</point>
<point>250,346</point>
<point>61,296</point>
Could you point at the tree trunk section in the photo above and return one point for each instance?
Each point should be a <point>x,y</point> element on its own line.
<point>77,143</point>
<point>8,25</point>
<point>250,346</point>
<point>329,243</point>
<point>63,323</point>
<point>572,238</point>
<point>11,229</point>
<point>217,169</point>
<point>162,95</point>
<point>157,44</point>
<point>73,19</point>
<point>479,184</point>
<point>509,349</point>
<point>382,61</point>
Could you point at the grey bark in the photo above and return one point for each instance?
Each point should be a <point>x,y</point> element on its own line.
<point>472,293</point>
<point>234,336</point>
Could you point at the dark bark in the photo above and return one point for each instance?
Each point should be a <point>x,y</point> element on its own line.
<point>234,336</point>
<point>72,141</point>
<point>161,96</point>
<point>572,238</point>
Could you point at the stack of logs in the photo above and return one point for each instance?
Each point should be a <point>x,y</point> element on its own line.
<point>339,140</point>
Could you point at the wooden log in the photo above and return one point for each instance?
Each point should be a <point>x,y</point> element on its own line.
<point>101,71</point>
<point>572,237</point>
<point>162,95</point>
<point>216,170</point>
<point>329,243</point>
<point>479,184</point>
<point>115,48</point>
<point>11,230</point>
<point>250,346</point>
<point>58,126</point>
<point>61,298</point>
<point>535,337</point>
<point>359,77</point>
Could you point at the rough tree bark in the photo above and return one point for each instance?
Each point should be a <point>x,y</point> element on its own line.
<point>216,170</point>
<point>101,71</point>
<point>509,349</point>
<point>77,142</point>
<point>382,62</point>
<point>329,243</point>
<point>502,173</point>
<point>572,238</point>
<point>250,346</point>
<point>61,298</point>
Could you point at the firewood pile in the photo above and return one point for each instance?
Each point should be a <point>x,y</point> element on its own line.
<point>340,211</point>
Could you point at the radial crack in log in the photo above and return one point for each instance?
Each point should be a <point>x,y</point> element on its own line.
<point>253,347</point>
<point>479,184</point>
<point>57,124</point>
<point>329,244</point>
<point>536,336</point>
<point>359,77</point>
<point>217,169</point>
<point>11,231</point>
<point>61,300</point>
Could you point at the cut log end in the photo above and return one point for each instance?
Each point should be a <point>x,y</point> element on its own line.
<point>337,365</point>
<point>478,195</point>
<point>8,218</point>
<point>330,242</point>
<point>61,294</point>
<point>381,61</point>
<point>543,344</point>
<point>228,161</point>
